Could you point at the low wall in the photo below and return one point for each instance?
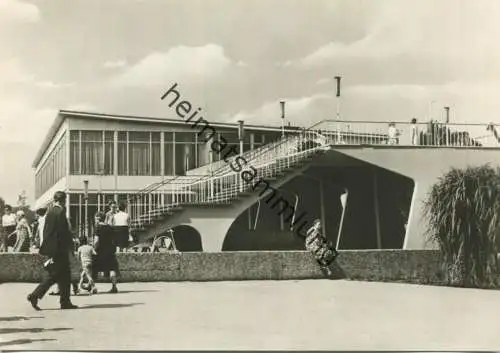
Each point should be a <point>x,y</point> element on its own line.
<point>413,266</point>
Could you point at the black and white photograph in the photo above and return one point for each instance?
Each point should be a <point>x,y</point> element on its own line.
<point>250,175</point>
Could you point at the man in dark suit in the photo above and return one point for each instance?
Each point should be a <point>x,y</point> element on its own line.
<point>57,245</point>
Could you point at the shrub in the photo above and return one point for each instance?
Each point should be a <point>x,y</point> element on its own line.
<point>463,214</point>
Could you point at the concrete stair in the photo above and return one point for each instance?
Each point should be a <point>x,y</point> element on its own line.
<point>227,188</point>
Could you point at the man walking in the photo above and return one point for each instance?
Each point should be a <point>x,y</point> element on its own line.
<point>57,245</point>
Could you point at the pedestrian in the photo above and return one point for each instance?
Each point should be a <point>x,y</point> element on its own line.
<point>9,227</point>
<point>110,215</point>
<point>56,246</point>
<point>86,255</point>
<point>23,233</point>
<point>322,249</point>
<point>121,227</point>
<point>105,247</point>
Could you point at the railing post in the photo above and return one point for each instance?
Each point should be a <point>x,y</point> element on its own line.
<point>241,136</point>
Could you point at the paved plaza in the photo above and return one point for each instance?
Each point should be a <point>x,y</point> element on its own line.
<point>309,314</point>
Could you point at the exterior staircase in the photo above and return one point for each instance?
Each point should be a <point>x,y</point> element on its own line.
<point>225,185</point>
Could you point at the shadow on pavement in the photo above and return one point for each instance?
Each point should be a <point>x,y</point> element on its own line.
<point>19,318</point>
<point>109,306</point>
<point>24,341</point>
<point>31,330</point>
<point>132,291</point>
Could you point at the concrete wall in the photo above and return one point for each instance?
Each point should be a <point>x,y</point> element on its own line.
<point>425,165</point>
<point>385,265</point>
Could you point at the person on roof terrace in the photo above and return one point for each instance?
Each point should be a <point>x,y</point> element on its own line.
<point>393,134</point>
<point>414,132</point>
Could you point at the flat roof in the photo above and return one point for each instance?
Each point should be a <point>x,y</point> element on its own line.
<point>63,114</point>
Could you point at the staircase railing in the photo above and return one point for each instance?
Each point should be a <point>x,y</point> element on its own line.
<point>224,187</point>
<point>170,191</point>
<point>403,133</point>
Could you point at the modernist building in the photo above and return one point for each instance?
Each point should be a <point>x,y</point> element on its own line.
<point>120,155</point>
<point>368,192</point>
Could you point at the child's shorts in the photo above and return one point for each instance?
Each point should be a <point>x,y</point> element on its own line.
<point>87,267</point>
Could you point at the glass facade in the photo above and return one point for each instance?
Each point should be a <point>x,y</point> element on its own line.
<point>138,153</point>
<point>53,169</point>
<point>91,152</point>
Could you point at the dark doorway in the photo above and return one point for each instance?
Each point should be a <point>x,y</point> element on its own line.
<point>187,238</point>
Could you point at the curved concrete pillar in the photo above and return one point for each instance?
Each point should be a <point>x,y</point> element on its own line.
<point>213,223</point>
<point>213,231</point>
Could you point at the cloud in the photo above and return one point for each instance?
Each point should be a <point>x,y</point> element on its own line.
<point>18,11</point>
<point>115,64</point>
<point>11,71</point>
<point>466,90</point>
<point>458,38</point>
<point>323,81</point>
<point>83,107</point>
<point>19,123</point>
<point>295,109</point>
<point>52,85</point>
<point>180,62</point>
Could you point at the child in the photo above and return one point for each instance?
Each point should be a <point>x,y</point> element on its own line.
<point>85,255</point>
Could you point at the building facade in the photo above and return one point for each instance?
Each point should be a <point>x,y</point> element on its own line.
<point>120,155</point>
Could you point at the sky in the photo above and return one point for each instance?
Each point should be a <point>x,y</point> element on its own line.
<point>237,59</point>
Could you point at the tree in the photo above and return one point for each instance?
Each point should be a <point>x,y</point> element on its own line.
<point>2,206</point>
<point>464,220</point>
<point>21,199</point>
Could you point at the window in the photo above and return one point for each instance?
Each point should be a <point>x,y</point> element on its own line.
<point>184,151</point>
<point>109,142</point>
<point>52,169</point>
<point>74,156</point>
<point>91,152</point>
<point>139,151</point>
<point>122,153</point>
<point>155,153</point>
<point>169,154</point>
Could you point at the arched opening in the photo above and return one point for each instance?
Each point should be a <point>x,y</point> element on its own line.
<point>187,238</point>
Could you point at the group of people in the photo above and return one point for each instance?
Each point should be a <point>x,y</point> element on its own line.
<point>394,133</point>
<point>111,235</point>
<point>17,233</point>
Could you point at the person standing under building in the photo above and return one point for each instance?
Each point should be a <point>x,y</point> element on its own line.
<point>105,247</point>
<point>57,246</point>
<point>8,227</point>
<point>121,224</point>
<point>110,215</point>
